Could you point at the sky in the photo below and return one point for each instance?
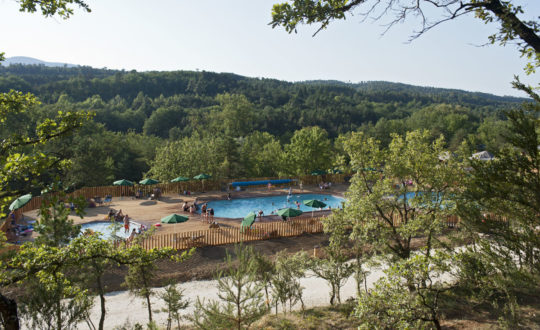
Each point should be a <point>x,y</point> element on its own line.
<point>234,36</point>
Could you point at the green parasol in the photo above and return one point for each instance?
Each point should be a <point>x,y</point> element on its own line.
<point>202,176</point>
<point>123,182</point>
<point>314,203</point>
<point>317,204</point>
<point>174,218</point>
<point>180,179</point>
<point>20,202</point>
<point>318,172</point>
<point>289,212</point>
<point>249,219</point>
<point>147,182</point>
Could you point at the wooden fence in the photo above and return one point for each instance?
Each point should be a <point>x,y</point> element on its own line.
<point>228,235</point>
<point>176,187</point>
<point>221,236</point>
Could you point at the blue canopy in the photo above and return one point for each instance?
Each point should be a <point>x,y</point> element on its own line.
<point>258,183</point>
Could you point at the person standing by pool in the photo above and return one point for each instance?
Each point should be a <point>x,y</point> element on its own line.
<point>126,224</point>
<point>211,213</point>
<point>204,212</point>
<point>132,236</point>
<point>290,191</point>
<point>261,213</point>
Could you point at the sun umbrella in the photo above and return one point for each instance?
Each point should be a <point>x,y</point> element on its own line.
<point>314,203</point>
<point>249,219</point>
<point>148,182</point>
<point>123,182</point>
<point>180,179</point>
<point>202,176</point>
<point>335,171</point>
<point>20,202</point>
<point>289,212</point>
<point>318,172</point>
<point>174,218</point>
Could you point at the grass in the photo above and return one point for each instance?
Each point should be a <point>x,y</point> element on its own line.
<point>458,309</point>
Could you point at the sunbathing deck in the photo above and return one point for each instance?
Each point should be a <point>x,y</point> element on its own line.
<point>149,212</point>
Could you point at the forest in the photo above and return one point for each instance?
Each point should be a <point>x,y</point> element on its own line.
<point>165,124</point>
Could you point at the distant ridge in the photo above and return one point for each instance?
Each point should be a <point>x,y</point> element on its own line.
<point>34,61</point>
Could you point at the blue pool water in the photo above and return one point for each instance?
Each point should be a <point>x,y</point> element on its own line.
<point>104,227</point>
<point>239,208</point>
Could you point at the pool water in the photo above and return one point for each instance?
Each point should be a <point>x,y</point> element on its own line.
<point>239,208</point>
<point>105,228</point>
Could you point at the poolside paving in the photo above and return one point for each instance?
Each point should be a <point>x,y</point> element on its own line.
<point>150,212</point>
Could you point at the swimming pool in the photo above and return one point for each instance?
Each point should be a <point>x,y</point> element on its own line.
<point>239,208</point>
<point>105,228</point>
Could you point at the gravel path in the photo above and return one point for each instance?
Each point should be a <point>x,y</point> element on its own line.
<point>122,307</point>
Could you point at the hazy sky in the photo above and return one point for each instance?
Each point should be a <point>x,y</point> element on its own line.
<point>234,36</point>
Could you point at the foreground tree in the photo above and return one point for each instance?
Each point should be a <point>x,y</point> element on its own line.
<point>286,287</point>
<point>174,302</point>
<point>500,211</point>
<point>430,13</point>
<point>242,301</point>
<point>334,269</point>
<point>389,306</point>
<point>399,193</point>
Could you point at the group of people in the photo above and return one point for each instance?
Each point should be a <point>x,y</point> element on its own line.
<point>117,215</point>
<point>325,185</point>
<point>193,208</point>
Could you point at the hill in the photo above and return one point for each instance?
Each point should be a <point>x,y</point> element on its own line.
<point>24,60</point>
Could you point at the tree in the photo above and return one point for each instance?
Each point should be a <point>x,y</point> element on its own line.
<point>512,29</point>
<point>139,277</point>
<point>400,192</point>
<point>265,270</point>
<point>62,8</point>
<point>174,302</point>
<point>236,115</point>
<point>500,212</point>
<point>241,299</point>
<point>261,155</point>
<point>286,279</point>
<point>309,150</point>
<point>334,269</point>
<point>54,226</point>
<point>388,306</point>
<point>21,159</point>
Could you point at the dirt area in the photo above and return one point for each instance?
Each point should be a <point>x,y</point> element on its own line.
<point>207,261</point>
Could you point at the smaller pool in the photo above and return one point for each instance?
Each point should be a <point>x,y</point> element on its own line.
<point>106,228</point>
<point>239,208</point>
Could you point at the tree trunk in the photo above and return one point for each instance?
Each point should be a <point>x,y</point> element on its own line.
<point>8,310</point>
<point>518,27</point>
<point>102,303</point>
<point>58,315</point>
<point>149,308</point>
<point>437,324</point>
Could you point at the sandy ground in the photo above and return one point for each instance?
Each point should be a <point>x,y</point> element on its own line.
<point>149,212</point>
<point>122,307</point>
